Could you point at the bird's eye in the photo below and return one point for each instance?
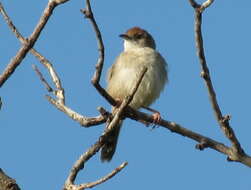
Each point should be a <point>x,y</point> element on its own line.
<point>138,36</point>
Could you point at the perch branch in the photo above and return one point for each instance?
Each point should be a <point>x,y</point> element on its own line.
<point>29,43</point>
<point>203,141</point>
<point>237,151</point>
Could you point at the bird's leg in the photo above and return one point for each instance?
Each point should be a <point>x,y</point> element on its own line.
<point>156,115</point>
<point>118,102</point>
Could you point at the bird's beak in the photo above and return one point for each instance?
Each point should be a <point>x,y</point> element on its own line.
<point>124,36</point>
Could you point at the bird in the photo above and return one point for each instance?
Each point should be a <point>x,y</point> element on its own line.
<point>139,52</point>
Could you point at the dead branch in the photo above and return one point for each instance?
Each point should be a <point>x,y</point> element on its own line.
<point>203,141</point>
<point>99,66</point>
<point>59,92</point>
<point>82,120</point>
<point>99,181</point>
<point>236,151</point>
<point>29,43</point>
<point>46,84</point>
<point>104,179</point>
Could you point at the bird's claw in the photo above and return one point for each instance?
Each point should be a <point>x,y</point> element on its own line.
<point>156,118</point>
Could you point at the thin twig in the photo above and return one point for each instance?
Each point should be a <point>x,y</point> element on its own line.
<point>99,66</point>
<point>194,4</point>
<point>201,7</point>
<point>103,179</point>
<point>29,43</point>
<point>46,84</point>
<point>59,92</point>
<point>82,120</point>
<point>11,25</point>
<point>237,151</point>
<point>206,4</point>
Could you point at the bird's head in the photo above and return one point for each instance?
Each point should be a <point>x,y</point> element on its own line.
<point>137,38</point>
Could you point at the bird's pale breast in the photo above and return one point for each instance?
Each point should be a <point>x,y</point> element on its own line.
<point>124,73</point>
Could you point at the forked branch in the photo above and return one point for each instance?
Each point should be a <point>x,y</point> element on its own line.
<point>28,43</point>
<point>236,153</point>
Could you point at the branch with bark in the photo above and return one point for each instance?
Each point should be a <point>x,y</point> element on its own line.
<point>233,153</point>
<point>28,43</point>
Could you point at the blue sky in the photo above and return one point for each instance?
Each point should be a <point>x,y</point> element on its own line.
<point>40,144</point>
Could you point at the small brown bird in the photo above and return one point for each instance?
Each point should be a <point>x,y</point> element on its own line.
<point>139,51</point>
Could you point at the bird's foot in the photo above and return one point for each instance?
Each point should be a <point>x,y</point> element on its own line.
<point>156,117</point>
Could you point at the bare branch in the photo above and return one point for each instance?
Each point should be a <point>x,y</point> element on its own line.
<point>206,4</point>
<point>46,84</point>
<point>59,1</point>
<point>99,66</point>
<point>194,4</point>
<point>29,43</point>
<point>59,92</point>
<point>237,151</point>
<point>201,7</point>
<point>204,142</point>
<point>104,179</point>
<point>10,24</point>
<point>82,120</point>
<point>87,122</point>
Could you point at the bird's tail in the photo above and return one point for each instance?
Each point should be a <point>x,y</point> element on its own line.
<point>109,147</point>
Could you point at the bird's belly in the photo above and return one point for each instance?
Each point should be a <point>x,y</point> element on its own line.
<point>150,87</point>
